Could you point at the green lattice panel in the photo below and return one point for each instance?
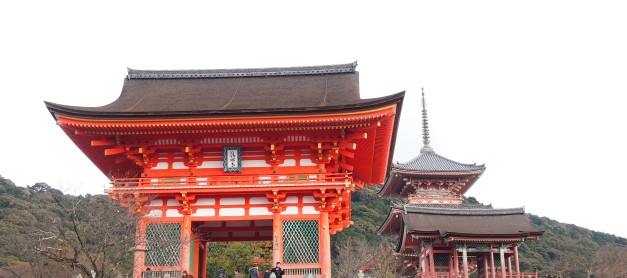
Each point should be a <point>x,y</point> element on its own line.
<point>441,259</point>
<point>163,244</point>
<point>300,242</point>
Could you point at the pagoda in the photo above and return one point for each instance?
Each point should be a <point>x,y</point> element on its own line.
<point>265,154</point>
<point>438,234</point>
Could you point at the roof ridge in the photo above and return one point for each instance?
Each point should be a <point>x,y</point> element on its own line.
<point>438,155</point>
<point>467,164</point>
<point>241,72</point>
<point>464,210</point>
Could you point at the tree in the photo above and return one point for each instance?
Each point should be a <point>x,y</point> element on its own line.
<point>376,258</point>
<point>610,261</point>
<point>92,233</point>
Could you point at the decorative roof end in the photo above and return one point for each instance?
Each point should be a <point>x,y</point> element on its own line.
<point>425,126</point>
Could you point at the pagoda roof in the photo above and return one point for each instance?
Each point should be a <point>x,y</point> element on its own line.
<point>430,161</point>
<point>430,165</point>
<point>228,92</point>
<point>452,222</point>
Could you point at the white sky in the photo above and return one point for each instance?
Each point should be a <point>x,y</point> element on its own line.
<point>533,89</point>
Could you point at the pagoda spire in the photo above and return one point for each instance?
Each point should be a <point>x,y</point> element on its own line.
<point>425,126</point>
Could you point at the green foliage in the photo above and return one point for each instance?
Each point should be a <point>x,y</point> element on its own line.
<point>92,232</point>
<point>232,256</point>
<point>563,249</point>
<point>368,211</point>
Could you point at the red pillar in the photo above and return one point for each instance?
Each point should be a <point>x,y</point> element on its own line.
<point>204,260</point>
<point>502,258</point>
<point>140,247</point>
<point>492,269</point>
<point>451,265</point>
<point>509,264</point>
<point>186,236</point>
<point>325,245</point>
<point>277,242</point>
<point>465,260</point>
<point>431,259</point>
<point>516,260</point>
<point>486,273</point>
<point>455,260</point>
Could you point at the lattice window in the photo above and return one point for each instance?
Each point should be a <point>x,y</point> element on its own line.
<point>163,244</point>
<point>300,242</point>
<point>497,260</point>
<point>302,271</point>
<point>441,262</point>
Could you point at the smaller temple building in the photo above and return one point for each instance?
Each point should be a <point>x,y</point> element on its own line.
<point>441,236</point>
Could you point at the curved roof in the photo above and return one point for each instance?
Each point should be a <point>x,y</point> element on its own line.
<point>184,93</point>
<point>430,161</point>
<point>468,222</point>
<point>429,164</point>
<point>460,220</point>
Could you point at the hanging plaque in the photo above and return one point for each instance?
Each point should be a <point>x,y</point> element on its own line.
<point>232,159</point>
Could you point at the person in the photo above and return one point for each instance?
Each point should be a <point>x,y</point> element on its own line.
<point>253,272</point>
<point>185,274</point>
<point>277,270</point>
<point>237,275</point>
<point>221,273</point>
<point>147,273</point>
<point>266,274</point>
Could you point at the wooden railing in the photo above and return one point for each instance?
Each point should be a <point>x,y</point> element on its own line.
<point>233,181</point>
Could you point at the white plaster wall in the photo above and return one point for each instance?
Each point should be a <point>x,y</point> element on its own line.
<point>291,200</point>
<point>172,213</point>
<point>259,200</point>
<point>259,211</point>
<point>205,212</point>
<point>291,210</point>
<point>206,201</point>
<point>232,201</point>
<point>161,166</point>
<point>232,212</point>
<point>155,213</point>
<point>179,165</point>
<point>310,210</point>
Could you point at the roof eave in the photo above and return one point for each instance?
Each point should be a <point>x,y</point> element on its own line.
<point>77,111</point>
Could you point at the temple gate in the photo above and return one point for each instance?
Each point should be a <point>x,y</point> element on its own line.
<point>237,155</point>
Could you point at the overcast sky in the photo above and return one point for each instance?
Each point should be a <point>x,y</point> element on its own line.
<point>536,90</point>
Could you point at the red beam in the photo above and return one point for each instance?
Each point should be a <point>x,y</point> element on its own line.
<point>95,143</point>
<point>347,153</point>
<point>114,151</point>
<point>346,166</point>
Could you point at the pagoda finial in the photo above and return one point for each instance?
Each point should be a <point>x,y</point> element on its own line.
<point>425,126</point>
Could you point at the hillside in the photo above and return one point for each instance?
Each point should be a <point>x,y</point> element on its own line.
<point>38,219</point>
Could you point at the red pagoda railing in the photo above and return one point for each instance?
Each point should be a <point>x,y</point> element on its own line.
<point>233,181</point>
<point>458,275</point>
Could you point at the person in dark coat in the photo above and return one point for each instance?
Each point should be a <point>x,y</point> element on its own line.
<point>277,270</point>
<point>253,272</point>
<point>221,273</point>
